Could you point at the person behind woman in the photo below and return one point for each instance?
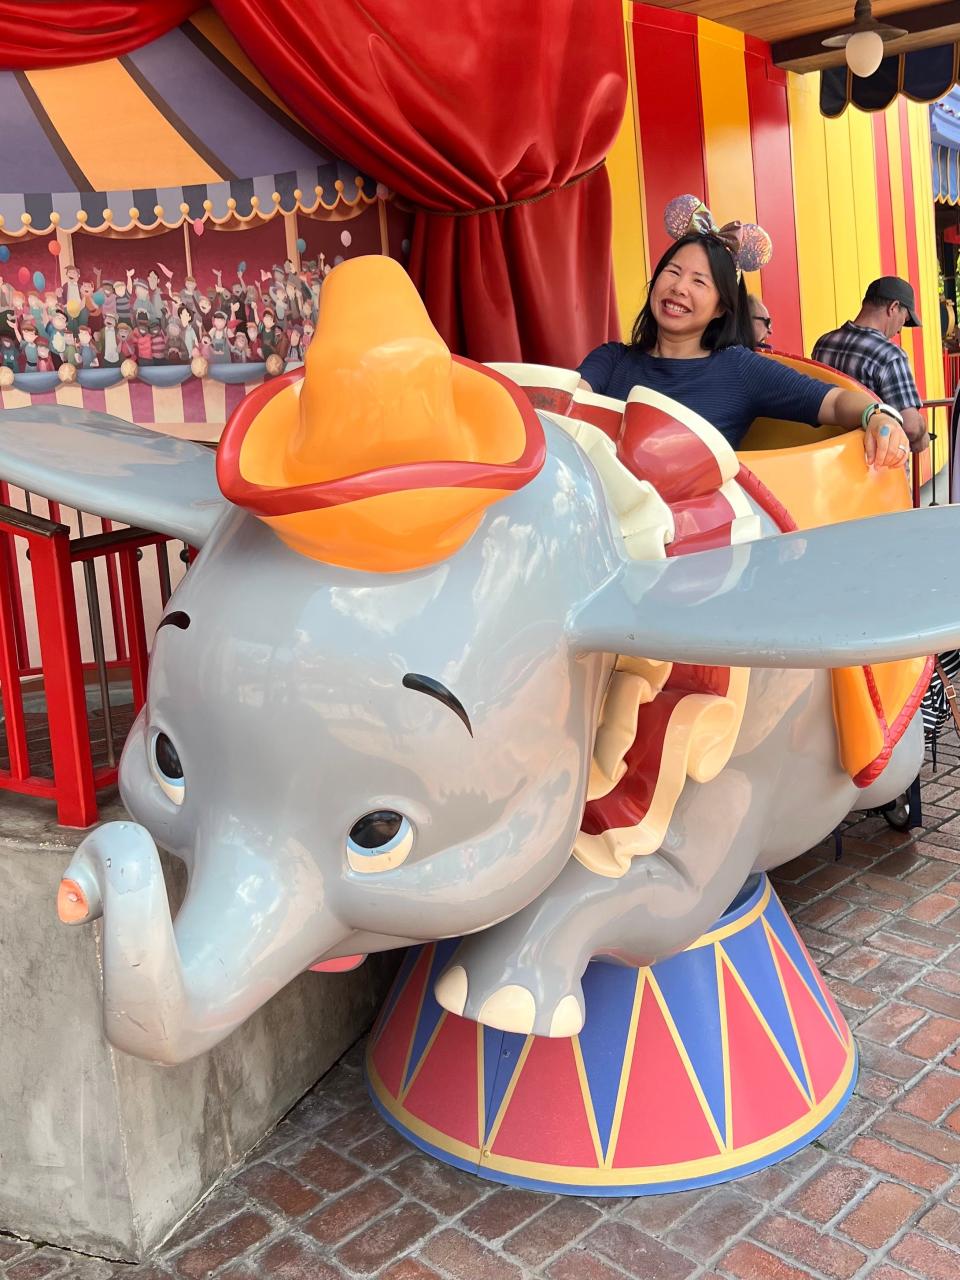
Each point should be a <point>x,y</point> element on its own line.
<point>693,339</point>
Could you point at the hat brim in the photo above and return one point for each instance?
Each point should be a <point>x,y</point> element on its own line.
<point>914,321</point>
<point>389,519</point>
<point>269,500</point>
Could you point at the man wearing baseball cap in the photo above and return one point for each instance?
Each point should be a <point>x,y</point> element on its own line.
<point>864,349</point>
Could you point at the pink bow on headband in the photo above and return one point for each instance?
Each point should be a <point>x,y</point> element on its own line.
<point>749,245</point>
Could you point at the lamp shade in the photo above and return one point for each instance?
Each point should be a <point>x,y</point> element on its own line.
<point>864,52</point>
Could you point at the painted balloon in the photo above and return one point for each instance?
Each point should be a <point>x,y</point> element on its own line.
<point>98,296</point>
<point>54,247</point>
<point>4,253</point>
<point>301,245</point>
<point>39,280</point>
<point>198,226</point>
<point>23,275</point>
<point>73,307</point>
<point>346,239</point>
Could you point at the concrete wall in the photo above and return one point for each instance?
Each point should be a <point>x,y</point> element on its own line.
<point>99,1150</point>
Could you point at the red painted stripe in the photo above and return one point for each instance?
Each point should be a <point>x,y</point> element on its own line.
<point>669,113</point>
<point>888,245</point>
<point>657,447</point>
<point>701,524</point>
<point>773,186</point>
<point>194,406</point>
<point>913,253</point>
<point>767,501</point>
<point>546,1119</point>
<point>550,399</point>
<point>141,401</point>
<point>94,400</point>
<point>597,415</point>
<point>893,733</point>
<point>695,678</point>
<point>662,1120</point>
<point>627,804</point>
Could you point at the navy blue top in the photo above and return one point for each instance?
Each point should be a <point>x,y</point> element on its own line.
<point>729,388</point>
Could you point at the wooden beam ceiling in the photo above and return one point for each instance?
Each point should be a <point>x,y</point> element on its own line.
<point>795,27</point>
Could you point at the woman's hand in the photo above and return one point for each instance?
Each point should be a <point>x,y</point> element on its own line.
<point>885,442</point>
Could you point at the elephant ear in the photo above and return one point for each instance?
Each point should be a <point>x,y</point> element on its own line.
<point>871,590</point>
<point>110,468</point>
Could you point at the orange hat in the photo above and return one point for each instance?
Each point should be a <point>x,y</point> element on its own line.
<point>384,452</point>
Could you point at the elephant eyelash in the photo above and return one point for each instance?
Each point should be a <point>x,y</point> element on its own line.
<point>434,689</point>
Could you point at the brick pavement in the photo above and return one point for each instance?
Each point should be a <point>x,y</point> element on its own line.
<point>333,1194</point>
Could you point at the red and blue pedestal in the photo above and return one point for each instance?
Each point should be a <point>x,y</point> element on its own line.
<point>705,1067</point>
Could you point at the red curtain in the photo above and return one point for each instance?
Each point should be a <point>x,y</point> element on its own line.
<point>459,108</point>
<point>55,33</point>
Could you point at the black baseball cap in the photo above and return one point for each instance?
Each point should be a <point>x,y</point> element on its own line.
<point>893,289</point>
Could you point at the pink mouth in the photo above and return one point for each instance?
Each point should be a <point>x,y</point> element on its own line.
<point>343,964</point>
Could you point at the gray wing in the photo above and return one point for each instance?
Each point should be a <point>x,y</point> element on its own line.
<point>111,468</point>
<point>865,591</point>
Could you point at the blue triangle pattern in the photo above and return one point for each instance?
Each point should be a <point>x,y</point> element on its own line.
<point>751,957</point>
<point>779,922</point>
<point>609,991</point>
<point>430,1011</point>
<point>688,982</point>
<point>501,1053</point>
<point>410,958</point>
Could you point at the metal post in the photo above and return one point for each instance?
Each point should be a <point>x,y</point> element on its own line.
<point>63,680</point>
<point>96,635</point>
<point>136,631</point>
<point>163,568</point>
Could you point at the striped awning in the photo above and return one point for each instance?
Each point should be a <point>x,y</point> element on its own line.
<point>922,75</point>
<point>183,128</point>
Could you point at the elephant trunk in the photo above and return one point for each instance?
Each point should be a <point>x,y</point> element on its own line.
<point>171,993</point>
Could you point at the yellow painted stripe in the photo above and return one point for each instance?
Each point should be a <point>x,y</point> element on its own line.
<point>864,178</point>
<point>209,24</point>
<point>726,127</point>
<point>167,405</point>
<point>814,241</point>
<point>929,300</point>
<point>117,401</point>
<point>843,219</point>
<point>631,264</point>
<point>103,118</point>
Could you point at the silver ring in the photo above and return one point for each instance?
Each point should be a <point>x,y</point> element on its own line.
<point>903,448</point>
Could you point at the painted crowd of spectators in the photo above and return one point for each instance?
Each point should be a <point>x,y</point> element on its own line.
<point>97,324</point>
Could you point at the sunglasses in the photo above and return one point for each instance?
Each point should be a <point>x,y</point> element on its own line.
<point>765,321</point>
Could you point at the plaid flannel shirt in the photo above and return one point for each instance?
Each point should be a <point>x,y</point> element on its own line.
<point>865,354</point>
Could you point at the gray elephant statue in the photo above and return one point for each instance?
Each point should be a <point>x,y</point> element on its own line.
<point>431,631</point>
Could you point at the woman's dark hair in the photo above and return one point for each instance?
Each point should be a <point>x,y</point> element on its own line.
<point>731,329</point>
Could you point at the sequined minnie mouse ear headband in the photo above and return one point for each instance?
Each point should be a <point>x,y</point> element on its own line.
<point>749,245</point>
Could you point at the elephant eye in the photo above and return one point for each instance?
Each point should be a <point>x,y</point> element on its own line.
<point>167,768</point>
<point>379,841</point>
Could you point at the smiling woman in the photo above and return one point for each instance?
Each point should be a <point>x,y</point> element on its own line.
<point>693,341</point>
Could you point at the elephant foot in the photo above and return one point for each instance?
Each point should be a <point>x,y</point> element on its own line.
<point>511,1005</point>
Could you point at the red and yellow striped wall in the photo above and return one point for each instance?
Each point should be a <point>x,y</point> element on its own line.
<point>845,200</point>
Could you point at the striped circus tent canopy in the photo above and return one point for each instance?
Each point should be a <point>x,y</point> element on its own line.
<point>184,128</point>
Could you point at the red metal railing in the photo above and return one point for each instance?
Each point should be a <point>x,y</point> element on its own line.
<point>53,753</point>
<point>951,372</point>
